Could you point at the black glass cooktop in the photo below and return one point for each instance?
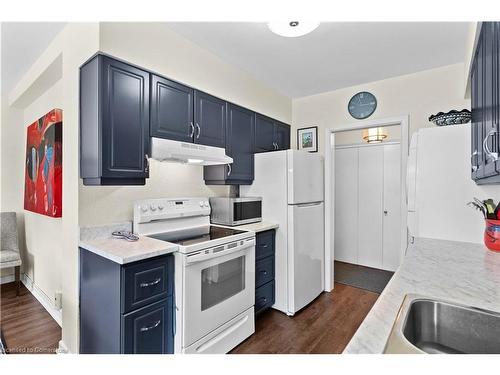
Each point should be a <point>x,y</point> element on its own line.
<point>209,233</point>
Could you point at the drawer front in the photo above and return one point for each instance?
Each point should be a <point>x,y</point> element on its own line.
<point>264,246</point>
<point>149,330</point>
<point>146,282</point>
<point>264,297</point>
<point>264,271</point>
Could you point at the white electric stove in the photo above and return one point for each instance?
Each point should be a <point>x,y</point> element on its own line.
<point>214,273</point>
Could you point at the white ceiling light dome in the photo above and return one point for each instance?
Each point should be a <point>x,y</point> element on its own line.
<point>292,28</point>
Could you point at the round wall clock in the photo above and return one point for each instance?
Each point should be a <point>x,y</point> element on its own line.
<point>362,105</point>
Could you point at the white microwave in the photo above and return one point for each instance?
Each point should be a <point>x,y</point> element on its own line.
<point>235,211</point>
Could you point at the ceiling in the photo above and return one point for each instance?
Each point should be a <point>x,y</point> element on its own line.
<point>22,44</point>
<point>333,56</point>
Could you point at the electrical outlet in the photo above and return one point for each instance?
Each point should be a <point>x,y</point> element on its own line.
<point>58,300</point>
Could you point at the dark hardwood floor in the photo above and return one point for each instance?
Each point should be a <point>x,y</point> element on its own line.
<point>27,327</point>
<point>325,326</point>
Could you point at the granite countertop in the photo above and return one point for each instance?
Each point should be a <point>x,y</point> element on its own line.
<point>460,272</point>
<point>100,241</point>
<point>257,227</point>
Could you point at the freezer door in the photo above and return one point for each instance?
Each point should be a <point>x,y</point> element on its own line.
<point>305,177</point>
<point>306,254</point>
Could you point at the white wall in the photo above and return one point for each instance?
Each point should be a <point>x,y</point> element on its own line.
<point>154,46</point>
<point>419,95</point>
<point>51,251</point>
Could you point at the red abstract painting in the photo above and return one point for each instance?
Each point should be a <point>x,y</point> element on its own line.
<point>43,165</point>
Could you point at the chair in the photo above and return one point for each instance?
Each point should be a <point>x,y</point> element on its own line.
<point>9,246</point>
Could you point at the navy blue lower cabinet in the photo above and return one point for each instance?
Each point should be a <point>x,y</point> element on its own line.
<point>264,270</point>
<point>126,308</point>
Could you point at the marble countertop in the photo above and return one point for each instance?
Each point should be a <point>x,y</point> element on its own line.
<point>99,241</point>
<point>257,227</point>
<point>459,272</point>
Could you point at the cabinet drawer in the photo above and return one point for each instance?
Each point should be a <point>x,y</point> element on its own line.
<point>149,330</point>
<point>146,282</point>
<point>264,297</point>
<point>264,246</point>
<point>264,271</point>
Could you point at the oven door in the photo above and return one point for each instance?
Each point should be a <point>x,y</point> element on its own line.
<point>217,287</point>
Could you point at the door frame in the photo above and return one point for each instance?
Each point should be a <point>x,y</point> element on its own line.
<point>403,122</point>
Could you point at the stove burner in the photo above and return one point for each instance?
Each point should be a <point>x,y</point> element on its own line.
<point>213,233</point>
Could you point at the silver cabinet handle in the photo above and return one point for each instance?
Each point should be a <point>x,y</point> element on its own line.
<point>277,146</point>
<point>146,159</point>
<point>230,169</point>
<point>147,285</point>
<point>191,126</point>
<point>474,164</point>
<point>492,155</point>
<point>199,130</point>
<point>145,329</point>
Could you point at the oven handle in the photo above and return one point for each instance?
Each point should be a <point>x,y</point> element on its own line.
<point>196,258</point>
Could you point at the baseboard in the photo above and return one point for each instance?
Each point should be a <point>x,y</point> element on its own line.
<point>7,279</point>
<point>62,349</point>
<point>45,301</point>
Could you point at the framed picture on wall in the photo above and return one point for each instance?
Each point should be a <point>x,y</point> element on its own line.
<point>307,139</point>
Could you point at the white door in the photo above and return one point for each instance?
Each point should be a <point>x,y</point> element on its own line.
<point>370,206</point>
<point>306,254</point>
<point>305,177</point>
<point>392,207</point>
<point>346,205</point>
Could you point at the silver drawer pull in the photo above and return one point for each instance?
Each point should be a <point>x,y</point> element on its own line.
<point>264,246</point>
<point>146,285</point>
<point>492,155</point>
<point>145,329</point>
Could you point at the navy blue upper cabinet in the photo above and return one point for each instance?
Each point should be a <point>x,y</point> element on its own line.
<point>209,120</point>
<point>282,136</point>
<point>271,135</point>
<point>485,104</point>
<point>240,126</point>
<point>114,123</point>
<point>171,110</point>
<point>264,134</point>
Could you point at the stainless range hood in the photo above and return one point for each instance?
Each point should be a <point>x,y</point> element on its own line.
<point>188,153</point>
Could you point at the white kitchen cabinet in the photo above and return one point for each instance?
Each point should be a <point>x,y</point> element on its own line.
<point>367,205</point>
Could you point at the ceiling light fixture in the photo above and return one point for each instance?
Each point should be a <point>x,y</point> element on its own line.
<point>374,135</point>
<point>292,29</point>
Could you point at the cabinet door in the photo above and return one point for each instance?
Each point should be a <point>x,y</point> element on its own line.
<point>479,112</point>
<point>171,110</point>
<point>475,123</point>
<point>346,205</point>
<point>490,136</point>
<point>282,136</point>
<point>240,136</point>
<point>391,257</point>
<point>210,120</point>
<point>264,134</point>
<point>149,330</point>
<point>125,121</point>
<point>370,206</point>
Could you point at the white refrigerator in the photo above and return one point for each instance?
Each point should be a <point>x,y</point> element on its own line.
<point>291,185</point>
<point>439,185</point>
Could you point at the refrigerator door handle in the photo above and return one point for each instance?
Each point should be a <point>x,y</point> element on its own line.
<point>308,204</point>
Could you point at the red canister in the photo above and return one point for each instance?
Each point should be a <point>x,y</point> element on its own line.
<point>492,234</point>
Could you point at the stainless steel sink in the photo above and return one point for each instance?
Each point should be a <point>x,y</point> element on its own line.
<point>425,325</point>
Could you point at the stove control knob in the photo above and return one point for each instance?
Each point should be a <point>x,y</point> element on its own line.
<point>160,207</point>
<point>153,207</point>
<point>201,204</point>
<point>206,204</point>
<point>144,208</point>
